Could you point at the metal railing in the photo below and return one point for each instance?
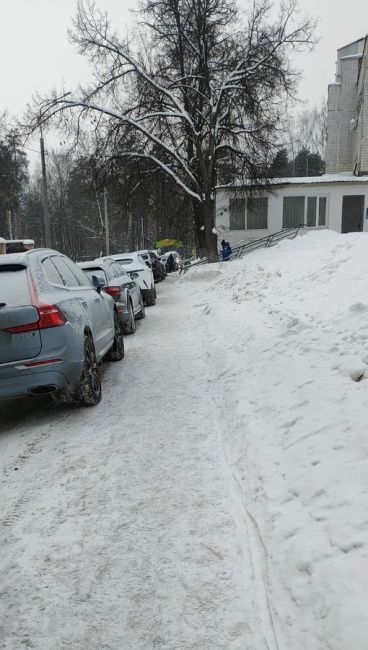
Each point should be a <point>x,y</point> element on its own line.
<point>263,242</point>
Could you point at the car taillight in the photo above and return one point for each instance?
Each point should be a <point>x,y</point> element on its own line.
<point>113,291</point>
<point>49,316</point>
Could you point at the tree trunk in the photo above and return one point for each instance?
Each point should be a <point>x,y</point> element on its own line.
<point>204,223</point>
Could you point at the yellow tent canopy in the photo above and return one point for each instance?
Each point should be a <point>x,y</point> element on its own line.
<point>168,243</point>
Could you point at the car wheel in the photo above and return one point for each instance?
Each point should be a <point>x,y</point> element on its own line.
<point>130,326</point>
<point>88,390</point>
<point>151,300</point>
<point>155,293</point>
<point>116,353</point>
<point>142,311</point>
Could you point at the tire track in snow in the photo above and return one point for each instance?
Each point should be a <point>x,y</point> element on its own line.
<point>257,554</point>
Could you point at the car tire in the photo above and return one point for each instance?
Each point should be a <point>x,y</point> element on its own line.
<point>116,352</point>
<point>142,311</point>
<point>88,390</point>
<point>155,293</point>
<point>150,299</point>
<point>130,326</point>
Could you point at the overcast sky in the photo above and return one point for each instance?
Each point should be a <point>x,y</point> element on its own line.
<point>35,53</point>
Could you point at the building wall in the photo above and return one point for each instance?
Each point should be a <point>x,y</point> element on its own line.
<point>333,192</point>
<point>342,109</point>
<point>347,146</point>
<point>361,146</point>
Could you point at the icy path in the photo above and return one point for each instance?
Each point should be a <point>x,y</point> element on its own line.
<point>120,525</point>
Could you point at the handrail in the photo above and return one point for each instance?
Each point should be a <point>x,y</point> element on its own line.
<point>263,242</point>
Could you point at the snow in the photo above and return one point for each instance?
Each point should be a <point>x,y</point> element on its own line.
<point>121,526</point>
<point>345,177</point>
<point>287,344</point>
<point>217,498</point>
<point>347,57</point>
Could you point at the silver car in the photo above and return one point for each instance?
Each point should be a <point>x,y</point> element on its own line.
<point>118,284</point>
<point>55,328</point>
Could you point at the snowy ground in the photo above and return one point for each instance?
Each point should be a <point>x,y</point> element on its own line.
<point>217,498</point>
<point>119,524</point>
<point>287,339</point>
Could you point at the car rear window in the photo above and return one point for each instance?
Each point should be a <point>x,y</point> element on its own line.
<point>126,260</point>
<point>95,271</point>
<point>14,288</point>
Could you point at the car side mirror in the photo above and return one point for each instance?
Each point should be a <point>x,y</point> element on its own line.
<point>98,282</point>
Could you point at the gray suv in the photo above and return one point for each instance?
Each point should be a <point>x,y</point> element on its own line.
<point>118,284</point>
<point>55,328</point>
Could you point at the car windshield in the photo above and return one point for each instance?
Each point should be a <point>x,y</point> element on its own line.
<point>95,271</point>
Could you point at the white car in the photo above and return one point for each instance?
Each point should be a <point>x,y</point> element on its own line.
<point>134,264</point>
<point>146,256</point>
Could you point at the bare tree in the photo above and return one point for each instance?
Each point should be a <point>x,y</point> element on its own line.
<point>308,130</point>
<point>204,92</point>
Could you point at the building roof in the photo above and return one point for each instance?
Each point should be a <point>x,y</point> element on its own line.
<point>326,179</point>
<point>358,40</point>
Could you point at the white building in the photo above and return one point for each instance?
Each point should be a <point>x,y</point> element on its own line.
<point>337,200</point>
<point>347,144</point>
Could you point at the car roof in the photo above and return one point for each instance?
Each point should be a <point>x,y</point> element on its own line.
<point>87,263</point>
<point>137,266</point>
<point>24,258</point>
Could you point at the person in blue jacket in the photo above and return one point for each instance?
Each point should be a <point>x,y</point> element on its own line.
<point>226,250</point>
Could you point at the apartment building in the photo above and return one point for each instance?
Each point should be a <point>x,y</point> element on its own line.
<point>347,142</point>
<point>338,200</point>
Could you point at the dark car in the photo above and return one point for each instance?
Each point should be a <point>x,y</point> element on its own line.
<point>158,267</point>
<point>117,283</point>
<point>153,262</point>
<point>55,328</point>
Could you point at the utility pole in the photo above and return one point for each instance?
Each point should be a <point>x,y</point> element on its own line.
<point>107,230</point>
<point>142,223</point>
<point>13,216</point>
<point>46,213</point>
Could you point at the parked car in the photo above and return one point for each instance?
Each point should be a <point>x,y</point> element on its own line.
<point>135,266</point>
<point>55,328</point>
<point>153,261</point>
<point>118,284</point>
<point>178,260</point>
<point>161,267</point>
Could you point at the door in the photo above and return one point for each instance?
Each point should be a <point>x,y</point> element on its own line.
<point>96,309</point>
<point>352,213</point>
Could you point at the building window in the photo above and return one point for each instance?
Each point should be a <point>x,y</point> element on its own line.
<point>257,213</point>
<point>237,214</point>
<point>311,211</point>
<point>293,211</point>
<point>322,211</point>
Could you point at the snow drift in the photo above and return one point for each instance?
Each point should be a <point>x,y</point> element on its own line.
<point>286,334</point>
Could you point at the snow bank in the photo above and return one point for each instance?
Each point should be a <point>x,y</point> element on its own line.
<point>286,334</point>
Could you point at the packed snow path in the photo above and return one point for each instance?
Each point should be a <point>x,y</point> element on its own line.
<point>121,527</point>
